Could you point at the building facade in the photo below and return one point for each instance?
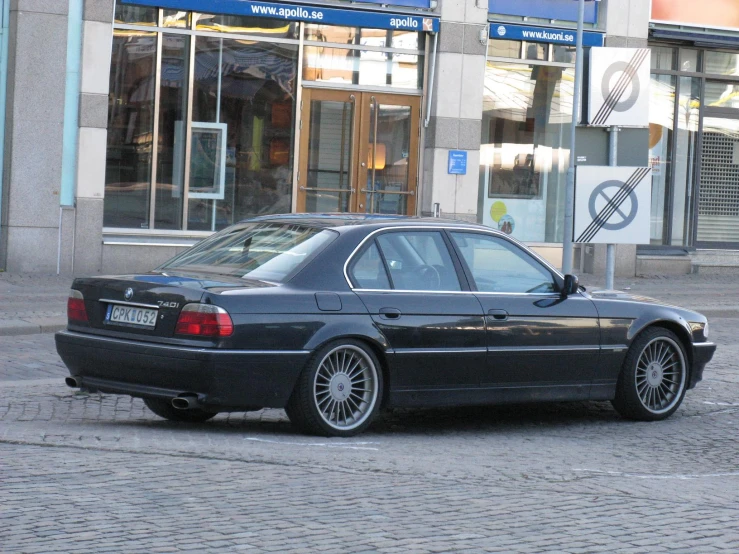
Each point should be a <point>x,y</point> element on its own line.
<point>135,129</point>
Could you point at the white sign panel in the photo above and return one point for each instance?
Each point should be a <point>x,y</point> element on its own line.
<point>619,87</point>
<point>613,205</point>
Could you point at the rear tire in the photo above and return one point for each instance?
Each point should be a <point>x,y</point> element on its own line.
<point>339,392</point>
<point>654,377</point>
<point>164,409</point>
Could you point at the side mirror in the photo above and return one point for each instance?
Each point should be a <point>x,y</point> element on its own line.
<point>572,285</point>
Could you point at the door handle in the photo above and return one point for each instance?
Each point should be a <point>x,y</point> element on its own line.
<point>498,315</point>
<point>390,313</point>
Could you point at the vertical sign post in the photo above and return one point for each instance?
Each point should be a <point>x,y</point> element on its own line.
<point>570,190</point>
<point>611,248</point>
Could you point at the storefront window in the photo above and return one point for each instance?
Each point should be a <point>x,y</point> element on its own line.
<point>130,129</point>
<point>135,15</point>
<point>686,152</point>
<point>173,101</point>
<point>661,125</point>
<point>249,89</point>
<point>362,67</point>
<point>722,63</point>
<point>527,111</point>
<point>255,26</point>
<point>203,112</point>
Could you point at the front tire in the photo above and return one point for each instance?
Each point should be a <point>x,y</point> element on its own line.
<point>654,377</point>
<point>164,409</point>
<point>339,392</point>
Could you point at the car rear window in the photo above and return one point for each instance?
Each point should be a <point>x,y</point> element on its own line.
<point>264,251</point>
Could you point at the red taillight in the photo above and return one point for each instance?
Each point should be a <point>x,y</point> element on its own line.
<point>76,311</point>
<point>204,320</point>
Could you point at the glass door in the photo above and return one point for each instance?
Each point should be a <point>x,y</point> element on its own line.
<point>358,152</point>
<point>718,190</point>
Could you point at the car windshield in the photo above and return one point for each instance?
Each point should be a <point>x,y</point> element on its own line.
<point>264,251</point>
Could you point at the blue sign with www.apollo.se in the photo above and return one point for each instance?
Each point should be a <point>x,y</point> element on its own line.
<point>311,14</point>
<point>543,34</point>
<point>457,162</point>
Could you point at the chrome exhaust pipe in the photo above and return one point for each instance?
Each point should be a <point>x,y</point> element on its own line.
<point>185,402</point>
<point>73,382</point>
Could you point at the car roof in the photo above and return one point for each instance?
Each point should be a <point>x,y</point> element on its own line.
<point>337,221</point>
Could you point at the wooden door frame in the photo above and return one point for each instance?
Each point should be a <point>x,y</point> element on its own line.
<point>328,95</point>
<point>391,99</point>
<point>360,143</point>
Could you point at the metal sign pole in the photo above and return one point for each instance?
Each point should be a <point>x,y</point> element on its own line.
<point>570,190</point>
<point>611,248</point>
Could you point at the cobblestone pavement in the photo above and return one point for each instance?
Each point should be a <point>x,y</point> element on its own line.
<point>100,473</point>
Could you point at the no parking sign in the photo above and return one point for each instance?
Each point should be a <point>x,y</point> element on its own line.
<point>613,205</point>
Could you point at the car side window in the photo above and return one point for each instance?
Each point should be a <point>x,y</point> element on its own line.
<point>419,260</point>
<point>500,266</point>
<point>368,270</point>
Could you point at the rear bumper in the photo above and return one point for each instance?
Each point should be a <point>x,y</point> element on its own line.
<point>702,354</point>
<point>222,379</point>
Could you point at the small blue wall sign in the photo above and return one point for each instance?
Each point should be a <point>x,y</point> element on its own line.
<point>457,162</point>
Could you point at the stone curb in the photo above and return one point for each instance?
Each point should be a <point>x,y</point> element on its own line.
<point>32,326</point>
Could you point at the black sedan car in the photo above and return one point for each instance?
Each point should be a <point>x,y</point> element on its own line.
<point>332,317</point>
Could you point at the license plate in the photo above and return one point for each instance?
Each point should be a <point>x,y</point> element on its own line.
<point>131,315</point>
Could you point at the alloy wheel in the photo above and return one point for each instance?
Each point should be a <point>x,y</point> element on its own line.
<point>660,375</point>
<point>345,387</point>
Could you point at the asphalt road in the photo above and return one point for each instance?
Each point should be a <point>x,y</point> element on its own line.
<point>91,473</point>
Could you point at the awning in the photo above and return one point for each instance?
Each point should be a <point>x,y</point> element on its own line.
<point>354,16</point>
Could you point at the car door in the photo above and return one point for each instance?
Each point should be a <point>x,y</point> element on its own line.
<point>417,295</point>
<point>538,340</point>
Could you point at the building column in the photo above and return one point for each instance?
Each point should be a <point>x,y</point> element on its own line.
<point>29,236</point>
<point>93,135</point>
<point>456,110</point>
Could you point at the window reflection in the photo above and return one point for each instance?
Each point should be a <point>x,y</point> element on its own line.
<point>249,87</point>
<point>524,154</point>
<point>130,129</point>
<point>362,67</point>
<point>258,26</point>
<point>405,40</point>
<point>661,116</point>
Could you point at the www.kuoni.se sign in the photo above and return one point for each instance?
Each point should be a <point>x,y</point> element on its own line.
<point>619,87</point>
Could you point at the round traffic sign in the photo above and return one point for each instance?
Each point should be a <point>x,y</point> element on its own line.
<point>604,194</point>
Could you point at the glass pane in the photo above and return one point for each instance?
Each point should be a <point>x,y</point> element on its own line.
<point>661,124</point>
<point>267,251</point>
<point>525,149</point>
<point>536,51</point>
<point>722,63</point>
<point>130,130</point>
<point>419,261</point>
<point>329,156</point>
<point>177,19</point>
<point>360,67</point>
<point>688,60</point>
<point>718,206</point>
<point>663,57</point>
<point>368,271</point>
<point>135,15</point>
<point>563,54</point>
<point>172,116</point>
<point>722,95</point>
<point>405,40</point>
<point>498,266</point>
<point>248,88</point>
<point>686,137</point>
<point>504,48</point>
<point>387,164</point>
<point>260,26</point>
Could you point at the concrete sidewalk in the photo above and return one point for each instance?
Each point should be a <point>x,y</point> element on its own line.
<point>31,304</point>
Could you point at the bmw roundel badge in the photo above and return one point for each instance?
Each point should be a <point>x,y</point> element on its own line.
<point>128,294</point>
